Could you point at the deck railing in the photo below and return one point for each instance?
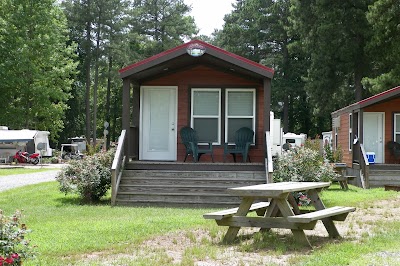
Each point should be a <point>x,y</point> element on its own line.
<point>269,169</point>
<point>364,167</point>
<point>117,167</point>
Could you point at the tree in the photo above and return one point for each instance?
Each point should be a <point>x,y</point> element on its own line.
<point>80,19</point>
<point>384,16</point>
<point>260,31</point>
<point>37,67</point>
<point>99,28</point>
<point>158,25</point>
<point>244,31</point>
<point>333,34</point>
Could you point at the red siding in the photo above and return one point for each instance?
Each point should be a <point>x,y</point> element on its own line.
<point>343,139</point>
<point>389,107</point>
<point>202,76</point>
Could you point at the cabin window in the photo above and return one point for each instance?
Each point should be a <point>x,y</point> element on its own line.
<point>336,139</point>
<point>206,114</point>
<point>240,111</point>
<point>397,127</point>
<point>350,131</point>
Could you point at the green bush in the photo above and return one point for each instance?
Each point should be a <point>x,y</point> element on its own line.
<point>302,164</point>
<point>89,177</point>
<point>332,156</point>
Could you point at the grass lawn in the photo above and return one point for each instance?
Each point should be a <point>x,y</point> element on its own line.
<point>66,233</point>
<point>18,171</point>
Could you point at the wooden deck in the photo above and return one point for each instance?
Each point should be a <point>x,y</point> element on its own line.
<point>384,174</point>
<point>175,184</point>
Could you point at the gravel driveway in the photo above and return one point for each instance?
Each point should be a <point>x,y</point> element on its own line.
<point>12,181</point>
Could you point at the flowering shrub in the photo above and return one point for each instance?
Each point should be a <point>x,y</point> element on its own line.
<point>302,199</point>
<point>13,246</point>
<point>302,164</point>
<point>89,177</point>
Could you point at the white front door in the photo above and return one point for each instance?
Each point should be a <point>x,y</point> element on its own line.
<point>373,130</point>
<point>158,123</point>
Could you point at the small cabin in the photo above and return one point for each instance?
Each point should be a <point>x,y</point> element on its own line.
<point>198,85</point>
<point>213,91</point>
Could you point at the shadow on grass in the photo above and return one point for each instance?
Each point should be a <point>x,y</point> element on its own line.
<point>278,242</point>
<point>77,201</point>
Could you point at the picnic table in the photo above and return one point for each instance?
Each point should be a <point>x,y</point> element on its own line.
<point>342,179</point>
<point>276,207</point>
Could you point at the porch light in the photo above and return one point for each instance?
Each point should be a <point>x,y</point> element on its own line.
<point>196,50</point>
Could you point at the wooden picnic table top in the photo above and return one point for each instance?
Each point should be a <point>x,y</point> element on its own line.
<point>281,211</point>
<point>276,189</point>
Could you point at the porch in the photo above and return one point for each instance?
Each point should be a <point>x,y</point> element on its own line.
<point>178,184</point>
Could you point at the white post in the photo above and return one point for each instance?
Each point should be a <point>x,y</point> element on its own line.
<point>269,169</point>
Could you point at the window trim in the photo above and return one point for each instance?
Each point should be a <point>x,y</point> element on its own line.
<point>336,138</point>
<point>192,116</point>
<point>394,126</point>
<point>227,90</point>
<point>350,131</point>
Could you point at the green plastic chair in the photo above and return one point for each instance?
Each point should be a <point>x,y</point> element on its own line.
<point>243,140</point>
<point>190,140</point>
<point>394,148</point>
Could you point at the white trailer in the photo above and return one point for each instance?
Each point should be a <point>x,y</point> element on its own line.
<point>32,141</point>
<point>276,133</point>
<point>293,139</point>
<point>278,139</point>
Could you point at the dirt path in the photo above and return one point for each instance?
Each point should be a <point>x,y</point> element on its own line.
<point>175,245</point>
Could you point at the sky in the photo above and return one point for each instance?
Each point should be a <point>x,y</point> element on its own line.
<point>209,14</point>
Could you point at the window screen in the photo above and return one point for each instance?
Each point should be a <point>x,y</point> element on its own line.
<point>397,128</point>
<point>206,111</point>
<point>240,111</point>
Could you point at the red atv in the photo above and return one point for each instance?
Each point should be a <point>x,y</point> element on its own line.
<point>24,157</point>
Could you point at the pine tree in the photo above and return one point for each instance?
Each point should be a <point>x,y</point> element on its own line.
<point>384,48</point>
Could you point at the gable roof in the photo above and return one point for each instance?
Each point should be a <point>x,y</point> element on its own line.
<point>380,97</point>
<point>178,58</point>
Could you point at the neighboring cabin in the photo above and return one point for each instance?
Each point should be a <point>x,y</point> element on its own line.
<point>373,122</point>
<point>369,125</point>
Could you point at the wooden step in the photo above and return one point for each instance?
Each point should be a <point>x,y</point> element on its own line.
<point>383,176</point>
<point>188,182</point>
<point>194,174</point>
<point>176,188</point>
<point>176,204</point>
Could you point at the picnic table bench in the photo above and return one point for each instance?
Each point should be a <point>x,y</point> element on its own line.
<point>279,210</point>
<point>219,215</point>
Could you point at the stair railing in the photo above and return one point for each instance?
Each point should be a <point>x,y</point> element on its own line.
<point>364,167</point>
<point>117,166</point>
<point>269,169</point>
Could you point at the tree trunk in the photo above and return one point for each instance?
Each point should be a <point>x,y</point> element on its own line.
<point>286,114</point>
<point>357,83</point>
<point>96,79</point>
<point>87,69</point>
<point>108,97</point>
